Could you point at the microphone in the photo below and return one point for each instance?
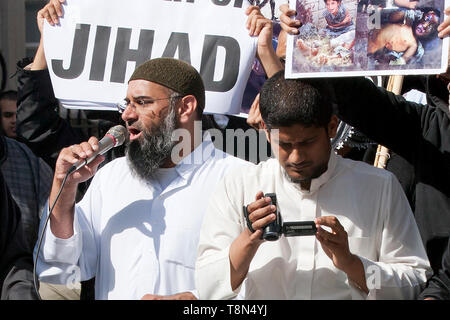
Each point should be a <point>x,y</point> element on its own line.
<point>113,138</point>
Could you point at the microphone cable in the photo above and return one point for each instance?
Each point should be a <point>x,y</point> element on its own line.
<point>41,235</point>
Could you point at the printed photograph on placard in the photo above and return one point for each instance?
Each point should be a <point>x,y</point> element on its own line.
<point>326,40</point>
<point>403,33</point>
<point>367,37</point>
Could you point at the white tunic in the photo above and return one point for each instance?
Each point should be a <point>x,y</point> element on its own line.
<point>368,202</point>
<point>134,237</point>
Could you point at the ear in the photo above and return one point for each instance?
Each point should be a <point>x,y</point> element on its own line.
<point>187,108</point>
<point>332,126</point>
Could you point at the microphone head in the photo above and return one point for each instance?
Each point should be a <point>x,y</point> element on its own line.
<point>119,133</point>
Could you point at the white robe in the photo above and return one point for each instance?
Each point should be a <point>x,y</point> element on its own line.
<point>368,202</point>
<point>133,236</point>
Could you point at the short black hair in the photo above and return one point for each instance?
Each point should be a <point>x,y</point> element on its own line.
<point>285,102</point>
<point>8,95</point>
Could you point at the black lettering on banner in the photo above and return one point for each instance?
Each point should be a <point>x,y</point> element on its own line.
<point>178,41</point>
<point>237,3</point>
<point>123,53</point>
<point>100,53</point>
<point>231,66</point>
<point>78,58</point>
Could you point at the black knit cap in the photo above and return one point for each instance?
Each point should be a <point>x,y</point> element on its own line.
<point>173,74</point>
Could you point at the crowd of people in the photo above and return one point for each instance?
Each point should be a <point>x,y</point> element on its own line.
<point>164,218</point>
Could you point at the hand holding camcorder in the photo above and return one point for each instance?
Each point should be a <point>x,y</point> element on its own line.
<point>276,228</point>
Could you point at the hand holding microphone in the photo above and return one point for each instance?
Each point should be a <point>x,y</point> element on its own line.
<point>113,138</point>
<point>83,159</point>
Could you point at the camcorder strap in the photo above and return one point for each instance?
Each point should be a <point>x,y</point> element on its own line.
<point>249,223</point>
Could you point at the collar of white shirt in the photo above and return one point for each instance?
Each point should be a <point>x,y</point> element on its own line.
<point>202,153</point>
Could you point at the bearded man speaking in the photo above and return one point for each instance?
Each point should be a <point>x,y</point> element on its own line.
<point>136,229</point>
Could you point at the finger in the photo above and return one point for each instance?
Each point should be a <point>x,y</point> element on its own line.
<point>289,19</point>
<point>253,21</point>
<point>330,221</point>
<point>77,151</point>
<point>53,15</point>
<point>261,223</point>
<point>327,237</point>
<point>87,149</point>
<point>59,10</point>
<point>261,24</point>
<point>288,29</point>
<point>327,245</point>
<point>262,212</point>
<point>256,236</point>
<point>259,195</point>
<point>444,30</point>
<point>252,9</point>
<point>47,17</point>
<point>91,168</point>
<point>93,141</point>
<point>444,33</point>
<point>254,115</point>
<point>65,160</point>
<point>251,13</point>
<point>58,6</point>
<point>262,202</point>
<point>256,101</point>
<point>255,106</point>
<point>444,24</point>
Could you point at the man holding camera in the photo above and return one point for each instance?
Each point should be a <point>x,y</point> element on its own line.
<point>368,245</point>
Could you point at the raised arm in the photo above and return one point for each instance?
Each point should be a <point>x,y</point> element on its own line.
<point>259,26</point>
<point>38,122</point>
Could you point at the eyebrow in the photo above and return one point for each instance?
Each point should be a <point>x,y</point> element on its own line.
<point>303,141</point>
<point>142,97</point>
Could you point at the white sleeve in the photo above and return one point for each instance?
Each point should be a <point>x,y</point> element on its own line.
<point>63,261</point>
<point>221,226</point>
<point>402,268</point>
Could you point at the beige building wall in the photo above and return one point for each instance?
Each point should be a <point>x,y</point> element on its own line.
<point>19,35</point>
<point>12,35</point>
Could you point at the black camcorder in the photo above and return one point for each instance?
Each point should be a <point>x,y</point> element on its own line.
<point>275,229</point>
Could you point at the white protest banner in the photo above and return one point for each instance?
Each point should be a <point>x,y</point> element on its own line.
<point>98,44</point>
<point>355,38</point>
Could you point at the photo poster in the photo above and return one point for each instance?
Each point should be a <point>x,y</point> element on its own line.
<point>97,45</point>
<point>367,38</point>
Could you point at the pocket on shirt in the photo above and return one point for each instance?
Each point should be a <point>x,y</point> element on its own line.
<point>183,250</point>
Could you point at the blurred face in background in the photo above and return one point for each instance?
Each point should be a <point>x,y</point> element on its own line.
<point>8,111</point>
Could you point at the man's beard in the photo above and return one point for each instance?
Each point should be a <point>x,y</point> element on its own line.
<point>316,172</point>
<point>144,157</point>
